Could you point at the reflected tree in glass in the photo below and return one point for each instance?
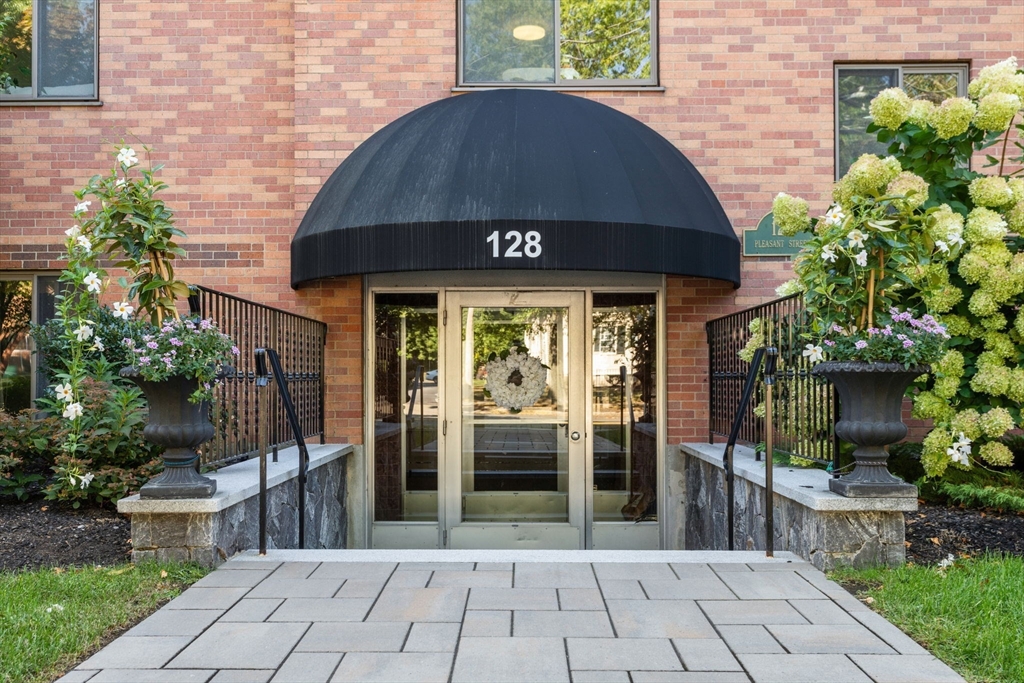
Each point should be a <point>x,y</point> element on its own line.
<point>605,39</point>
<point>15,361</point>
<point>856,89</point>
<point>15,46</point>
<point>67,47</point>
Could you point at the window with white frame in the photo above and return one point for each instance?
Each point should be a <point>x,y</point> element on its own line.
<point>25,298</point>
<point>48,49</point>
<point>557,42</point>
<point>856,85</point>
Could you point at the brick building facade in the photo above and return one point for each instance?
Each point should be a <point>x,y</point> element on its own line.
<point>252,104</point>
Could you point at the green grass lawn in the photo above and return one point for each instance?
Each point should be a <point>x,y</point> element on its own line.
<point>969,615</point>
<point>50,619</point>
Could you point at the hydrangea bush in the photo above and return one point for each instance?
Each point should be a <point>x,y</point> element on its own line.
<point>976,391</point>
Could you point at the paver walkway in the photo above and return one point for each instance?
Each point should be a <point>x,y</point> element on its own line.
<point>364,615</point>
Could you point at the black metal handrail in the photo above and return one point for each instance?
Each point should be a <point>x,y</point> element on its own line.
<point>301,343</point>
<point>261,356</point>
<point>804,406</point>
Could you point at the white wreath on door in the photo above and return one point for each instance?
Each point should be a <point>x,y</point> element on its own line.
<point>515,379</point>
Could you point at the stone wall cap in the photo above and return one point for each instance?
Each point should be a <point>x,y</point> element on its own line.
<point>809,487</point>
<point>238,482</point>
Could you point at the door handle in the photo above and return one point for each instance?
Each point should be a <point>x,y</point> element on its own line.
<point>575,436</point>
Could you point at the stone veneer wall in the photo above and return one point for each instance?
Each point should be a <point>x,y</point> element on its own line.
<point>209,531</point>
<point>858,532</point>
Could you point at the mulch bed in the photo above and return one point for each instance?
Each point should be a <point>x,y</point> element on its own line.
<point>45,534</point>
<point>934,532</point>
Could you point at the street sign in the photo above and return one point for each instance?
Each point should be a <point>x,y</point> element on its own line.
<point>765,240</point>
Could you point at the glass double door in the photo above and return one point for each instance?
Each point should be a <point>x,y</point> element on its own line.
<point>514,460</point>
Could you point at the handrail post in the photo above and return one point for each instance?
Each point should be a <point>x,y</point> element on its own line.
<point>261,391</point>
<point>300,441</point>
<point>730,491</point>
<point>769,448</point>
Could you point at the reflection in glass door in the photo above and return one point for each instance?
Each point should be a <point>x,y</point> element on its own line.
<point>520,441</point>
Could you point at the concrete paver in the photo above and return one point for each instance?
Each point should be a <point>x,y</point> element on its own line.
<point>905,669</point>
<point>176,622</point>
<point>354,637</point>
<point>481,623</point>
<point>752,612</point>
<point>562,624</point>
<point>802,669</point>
<point>706,655</point>
<point>239,646</point>
<point>510,659</point>
<point>387,667</point>
<point>622,654</point>
<point>822,639</point>
<point>318,609</point>
<point>139,652</point>
<point>543,616</point>
<point>659,619</point>
<point>307,667</point>
<point>419,604</point>
<point>436,637</point>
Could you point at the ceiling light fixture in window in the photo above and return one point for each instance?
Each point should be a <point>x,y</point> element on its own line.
<point>528,32</point>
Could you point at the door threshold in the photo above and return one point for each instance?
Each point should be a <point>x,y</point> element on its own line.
<point>629,556</point>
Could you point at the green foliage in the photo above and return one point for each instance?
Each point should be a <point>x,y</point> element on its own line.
<point>136,228</point>
<point>53,348</point>
<point>116,462</point>
<point>53,618</point>
<point>966,614</point>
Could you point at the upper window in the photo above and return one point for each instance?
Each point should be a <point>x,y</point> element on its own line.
<point>48,49</point>
<point>557,42</point>
<point>857,85</point>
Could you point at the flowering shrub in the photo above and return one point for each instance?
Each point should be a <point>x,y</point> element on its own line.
<point>116,463</point>
<point>874,251</point>
<point>976,392</point>
<point>190,347</point>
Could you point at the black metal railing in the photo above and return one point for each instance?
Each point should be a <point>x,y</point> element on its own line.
<point>301,344</point>
<point>804,406</point>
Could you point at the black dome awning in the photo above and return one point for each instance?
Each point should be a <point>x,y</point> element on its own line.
<point>515,179</point>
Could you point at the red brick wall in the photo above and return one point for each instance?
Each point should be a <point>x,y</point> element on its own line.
<point>251,104</point>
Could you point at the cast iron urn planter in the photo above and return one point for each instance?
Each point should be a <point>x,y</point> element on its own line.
<point>871,399</point>
<point>180,427</point>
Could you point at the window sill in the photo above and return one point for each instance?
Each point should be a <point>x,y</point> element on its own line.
<point>563,88</point>
<point>50,103</point>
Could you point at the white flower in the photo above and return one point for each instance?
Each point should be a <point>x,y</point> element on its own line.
<point>123,310</point>
<point>85,480</point>
<point>97,345</point>
<point>83,333</point>
<point>126,157</point>
<point>956,240</point>
<point>942,246</point>
<point>92,282</point>
<point>55,606</point>
<point>856,238</point>
<point>82,206</point>
<point>120,182</point>
<point>73,232</point>
<point>64,392</point>
<point>948,562</point>
<point>861,259</point>
<point>834,216</point>
<point>73,411</point>
<point>814,353</point>
<point>828,253</point>
<point>84,242</point>
<point>960,451</point>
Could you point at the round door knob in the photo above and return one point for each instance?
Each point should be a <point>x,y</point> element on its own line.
<point>575,436</point>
